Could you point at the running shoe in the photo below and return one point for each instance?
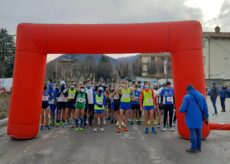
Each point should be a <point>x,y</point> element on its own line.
<point>81,129</point>
<point>131,122</point>
<point>154,131</point>
<point>117,124</point>
<point>148,122</point>
<point>52,124</point>
<point>48,127</point>
<point>126,129</point>
<point>95,129</point>
<point>65,125</point>
<point>119,130</point>
<point>62,123</point>
<point>164,129</point>
<point>57,124</point>
<point>138,122</point>
<point>191,150</point>
<point>42,128</point>
<point>122,124</point>
<point>102,129</point>
<point>172,129</point>
<point>146,130</point>
<point>77,129</point>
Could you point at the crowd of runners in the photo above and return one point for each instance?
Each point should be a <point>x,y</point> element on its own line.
<point>85,105</point>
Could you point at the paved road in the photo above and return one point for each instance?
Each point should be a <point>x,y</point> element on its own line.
<point>66,146</point>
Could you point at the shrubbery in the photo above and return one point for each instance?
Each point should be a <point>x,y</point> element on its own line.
<point>4,105</point>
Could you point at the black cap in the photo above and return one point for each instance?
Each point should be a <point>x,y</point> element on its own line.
<point>168,83</point>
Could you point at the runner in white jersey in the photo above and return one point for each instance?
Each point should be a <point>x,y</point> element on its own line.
<point>61,104</point>
<point>89,110</point>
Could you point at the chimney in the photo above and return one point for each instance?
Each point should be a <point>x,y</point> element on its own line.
<point>217,29</point>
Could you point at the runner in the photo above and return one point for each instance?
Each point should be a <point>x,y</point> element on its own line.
<point>81,101</point>
<point>135,105</point>
<point>125,105</point>
<point>71,99</point>
<point>102,85</point>
<point>99,108</point>
<point>140,87</point>
<point>45,109</point>
<point>115,105</point>
<point>147,96</point>
<point>167,100</point>
<point>89,110</point>
<point>53,106</point>
<point>107,112</point>
<point>61,104</point>
<point>158,111</point>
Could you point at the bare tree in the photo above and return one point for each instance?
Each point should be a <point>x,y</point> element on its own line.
<point>122,69</point>
<point>50,71</point>
<point>88,68</point>
<point>104,68</point>
<point>137,67</point>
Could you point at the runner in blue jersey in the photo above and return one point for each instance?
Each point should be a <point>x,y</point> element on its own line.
<point>167,101</point>
<point>135,105</point>
<point>45,109</point>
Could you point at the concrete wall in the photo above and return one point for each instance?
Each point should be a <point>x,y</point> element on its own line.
<point>216,58</point>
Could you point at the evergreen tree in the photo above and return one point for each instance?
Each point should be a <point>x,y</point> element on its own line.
<point>7,51</point>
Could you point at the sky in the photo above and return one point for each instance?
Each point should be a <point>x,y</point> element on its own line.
<point>209,12</point>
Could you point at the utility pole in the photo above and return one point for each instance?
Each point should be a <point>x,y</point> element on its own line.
<point>165,68</point>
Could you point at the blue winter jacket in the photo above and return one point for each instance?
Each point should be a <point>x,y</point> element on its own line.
<point>223,93</point>
<point>193,116</point>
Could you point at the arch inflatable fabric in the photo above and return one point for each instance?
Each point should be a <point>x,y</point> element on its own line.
<point>34,41</point>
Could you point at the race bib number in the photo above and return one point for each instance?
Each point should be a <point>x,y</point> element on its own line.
<point>100,102</point>
<point>136,97</point>
<point>169,99</point>
<point>125,96</point>
<point>71,96</point>
<point>149,101</point>
<point>61,99</point>
<point>45,98</point>
<point>81,100</point>
<point>51,101</point>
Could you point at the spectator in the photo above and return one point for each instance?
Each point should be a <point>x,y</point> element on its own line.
<point>194,106</point>
<point>213,96</point>
<point>223,92</point>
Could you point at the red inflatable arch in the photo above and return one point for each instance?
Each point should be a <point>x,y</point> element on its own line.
<point>35,41</point>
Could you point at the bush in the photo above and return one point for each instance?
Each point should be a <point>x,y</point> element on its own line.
<point>4,105</point>
<point>3,115</point>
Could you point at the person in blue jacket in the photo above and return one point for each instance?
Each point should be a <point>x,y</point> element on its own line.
<point>193,116</point>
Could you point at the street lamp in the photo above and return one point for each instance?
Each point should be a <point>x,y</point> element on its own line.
<point>165,68</point>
